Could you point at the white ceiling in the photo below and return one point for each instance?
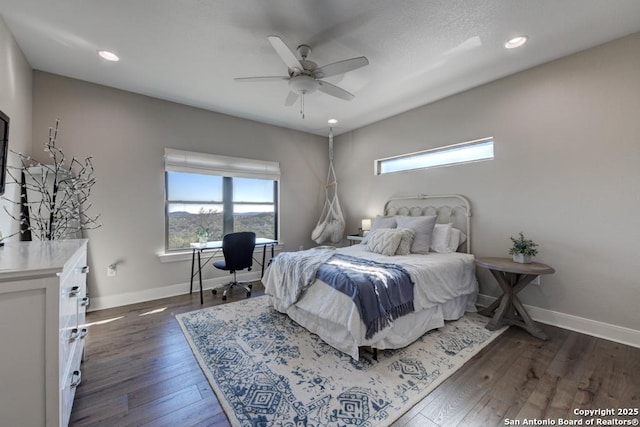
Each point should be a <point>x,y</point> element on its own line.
<point>189,51</point>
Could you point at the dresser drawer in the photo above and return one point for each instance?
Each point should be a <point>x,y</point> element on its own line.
<point>70,343</point>
<point>69,384</point>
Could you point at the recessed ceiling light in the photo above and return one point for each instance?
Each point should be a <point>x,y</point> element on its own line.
<point>516,42</point>
<point>332,121</point>
<point>109,56</point>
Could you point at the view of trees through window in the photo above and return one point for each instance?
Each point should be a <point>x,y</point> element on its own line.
<point>196,207</point>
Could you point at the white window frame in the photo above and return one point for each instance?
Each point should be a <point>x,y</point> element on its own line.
<point>225,166</point>
<point>437,157</point>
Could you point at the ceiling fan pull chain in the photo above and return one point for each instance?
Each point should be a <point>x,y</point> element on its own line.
<point>302,105</point>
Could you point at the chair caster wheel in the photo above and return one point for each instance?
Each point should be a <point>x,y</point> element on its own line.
<point>248,294</point>
<point>214,291</point>
<point>224,297</point>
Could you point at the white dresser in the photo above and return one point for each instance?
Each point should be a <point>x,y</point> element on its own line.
<point>43,301</point>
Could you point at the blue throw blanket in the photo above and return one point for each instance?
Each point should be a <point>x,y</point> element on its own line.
<point>382,292</point>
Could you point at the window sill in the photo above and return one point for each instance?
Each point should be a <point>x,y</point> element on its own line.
<point>174,256</point>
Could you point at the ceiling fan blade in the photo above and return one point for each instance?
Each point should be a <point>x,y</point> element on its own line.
<point>261,79</point>
<point>341,67</point>
<point>291,99</point>
<point>334,90</point>
<point>285,53</point>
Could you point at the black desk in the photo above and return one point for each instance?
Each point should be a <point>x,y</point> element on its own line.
<point>216,246</point>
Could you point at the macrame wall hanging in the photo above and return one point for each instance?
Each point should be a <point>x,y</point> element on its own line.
<point>330,227</point>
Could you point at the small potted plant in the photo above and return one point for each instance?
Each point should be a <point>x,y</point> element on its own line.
<point>203,235</point>
<point>523,249</point>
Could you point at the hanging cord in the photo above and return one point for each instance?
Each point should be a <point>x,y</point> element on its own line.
<point>331,224</point>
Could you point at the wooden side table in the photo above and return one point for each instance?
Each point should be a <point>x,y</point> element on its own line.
<point>512,278</point>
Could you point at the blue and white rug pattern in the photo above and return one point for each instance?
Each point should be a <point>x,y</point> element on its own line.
<point>266,370</point>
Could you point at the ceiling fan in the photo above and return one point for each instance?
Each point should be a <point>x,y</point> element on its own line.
<point>305,76</point>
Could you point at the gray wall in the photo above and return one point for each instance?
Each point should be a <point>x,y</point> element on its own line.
<point>126,134</point>
<point>567,150</point>
<point>565,173</point>
<point>15,101</point>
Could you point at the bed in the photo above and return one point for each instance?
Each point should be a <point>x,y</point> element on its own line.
<point>443,277</point>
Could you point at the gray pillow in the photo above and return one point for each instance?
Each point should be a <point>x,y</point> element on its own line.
<point>422,227</point>
<point>383,222</point>
<point>379,222</point>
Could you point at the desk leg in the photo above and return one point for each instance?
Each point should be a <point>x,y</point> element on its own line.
<point>264,257</point>
<point>193,260</point>
<point>200,278</point>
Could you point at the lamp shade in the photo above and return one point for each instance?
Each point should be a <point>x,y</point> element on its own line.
<point>366,224</point>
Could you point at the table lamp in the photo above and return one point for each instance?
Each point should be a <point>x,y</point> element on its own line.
<point>366,226</point>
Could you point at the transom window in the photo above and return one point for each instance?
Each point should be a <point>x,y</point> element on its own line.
<point>471,151</point>
<point>208,196</point>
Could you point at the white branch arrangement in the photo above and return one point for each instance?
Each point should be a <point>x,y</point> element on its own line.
<point>63,191</point>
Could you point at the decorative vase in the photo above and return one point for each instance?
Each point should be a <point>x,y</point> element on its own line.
<point>522,258</point>
<point>202,239</point>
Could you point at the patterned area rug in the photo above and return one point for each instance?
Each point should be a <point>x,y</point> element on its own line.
<point>268,371</point>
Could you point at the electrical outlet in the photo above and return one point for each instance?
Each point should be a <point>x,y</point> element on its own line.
<point>111,270</point>
<point>536,281</point>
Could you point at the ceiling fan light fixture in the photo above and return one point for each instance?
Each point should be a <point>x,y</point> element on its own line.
<point>108,55</point>
<point>332,121</point>
<point>516,42</point>
<point>303,84</point>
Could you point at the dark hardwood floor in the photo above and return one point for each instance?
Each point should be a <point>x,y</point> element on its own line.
<point>140,371</point>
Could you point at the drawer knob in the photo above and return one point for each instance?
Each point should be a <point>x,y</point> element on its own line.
<point>85,269</point>
<point>76,379</point>
<point>83,333</point>
<point>74,291</point>
<point>75,333</point>
<point>85,302</point>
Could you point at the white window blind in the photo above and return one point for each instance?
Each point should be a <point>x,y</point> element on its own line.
<point>213,164</point>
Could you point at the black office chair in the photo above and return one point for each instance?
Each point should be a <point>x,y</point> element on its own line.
<point>238,255</point>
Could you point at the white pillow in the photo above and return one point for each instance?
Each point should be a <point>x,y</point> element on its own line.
<point>422,227</point>
<point>440,239</point>
<point>456,239</point>
<point>383,241</point>
<point>404,248</point>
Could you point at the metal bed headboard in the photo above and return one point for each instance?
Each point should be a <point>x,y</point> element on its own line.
<point>449,208</point>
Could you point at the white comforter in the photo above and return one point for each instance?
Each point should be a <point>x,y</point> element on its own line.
<point>441,280</point>
<point>294,272</point>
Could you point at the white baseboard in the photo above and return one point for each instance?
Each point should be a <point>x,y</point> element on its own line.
<point>574,323</point>
<point>100,303</point>
<point>566,321</point>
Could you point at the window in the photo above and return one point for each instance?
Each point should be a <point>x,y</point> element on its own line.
<point>210,196</point>
<point>472,151</point>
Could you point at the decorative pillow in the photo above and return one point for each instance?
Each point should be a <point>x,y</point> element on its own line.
<point>440,239</point>
<point>456,239</point>
<point>422,227</point>
<point>404,248</point>
<point>383,241</point>
<point>380,222</point>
